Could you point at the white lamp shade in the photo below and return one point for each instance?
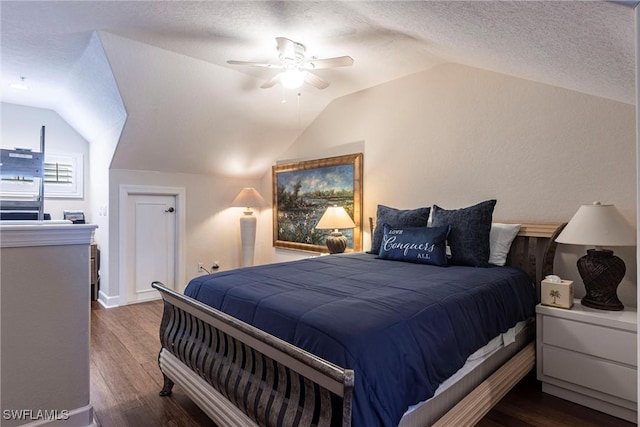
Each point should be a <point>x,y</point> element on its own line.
<point>248,198</point>
<point>598,225</point>
<point>335,217</point>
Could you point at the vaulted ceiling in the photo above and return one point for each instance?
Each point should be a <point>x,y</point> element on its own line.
<point>188,110</point>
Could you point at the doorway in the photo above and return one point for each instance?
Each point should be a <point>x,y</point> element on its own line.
<point>151,247</point>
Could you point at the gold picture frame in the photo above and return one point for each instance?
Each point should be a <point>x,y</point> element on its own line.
<point>301,193</point>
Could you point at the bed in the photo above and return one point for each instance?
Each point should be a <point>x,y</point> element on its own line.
<point>249,349</point>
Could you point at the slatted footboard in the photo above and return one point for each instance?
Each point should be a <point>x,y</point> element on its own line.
<point>242,376</point>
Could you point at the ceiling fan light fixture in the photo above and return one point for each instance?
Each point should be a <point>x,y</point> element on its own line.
<point>297,68</point>
<point>292,79</point>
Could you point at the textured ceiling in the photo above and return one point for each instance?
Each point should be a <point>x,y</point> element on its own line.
<point>583,46</point>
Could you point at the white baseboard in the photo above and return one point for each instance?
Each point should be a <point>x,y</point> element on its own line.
<point>114,301</point>
<point>146,297</point>
<point>108,302</point>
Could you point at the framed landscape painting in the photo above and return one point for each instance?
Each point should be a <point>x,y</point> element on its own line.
<point>302,191</point>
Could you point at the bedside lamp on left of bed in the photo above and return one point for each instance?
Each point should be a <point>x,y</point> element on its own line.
<point>334,218</point>
<point>248,198</point>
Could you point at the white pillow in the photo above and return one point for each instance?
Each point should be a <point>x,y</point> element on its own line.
<point>500,238</point>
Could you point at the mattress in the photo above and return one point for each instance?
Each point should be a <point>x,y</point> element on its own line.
<point>477,368</point>
<point>403,328</point>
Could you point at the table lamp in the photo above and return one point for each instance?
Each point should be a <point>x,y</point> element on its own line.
<point>248,198</point>
<point>599,225</point>
<point>335,217</point>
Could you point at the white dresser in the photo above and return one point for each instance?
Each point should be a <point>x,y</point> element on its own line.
<point>589,357</point>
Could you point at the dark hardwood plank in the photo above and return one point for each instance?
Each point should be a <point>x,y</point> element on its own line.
<point>125,381</point>
<point>125,378</point>
<point>526,405</point>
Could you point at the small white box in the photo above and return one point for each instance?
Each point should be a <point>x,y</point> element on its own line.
<point>557,294</point>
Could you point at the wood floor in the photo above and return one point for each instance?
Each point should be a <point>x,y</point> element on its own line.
<point>125,381</point>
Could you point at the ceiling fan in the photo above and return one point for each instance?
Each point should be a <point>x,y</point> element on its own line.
<point>296,67</point>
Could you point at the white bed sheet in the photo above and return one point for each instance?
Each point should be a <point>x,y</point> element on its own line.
<point>477,358</point>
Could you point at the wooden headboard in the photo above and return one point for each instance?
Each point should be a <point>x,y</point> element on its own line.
<point>533,249</point>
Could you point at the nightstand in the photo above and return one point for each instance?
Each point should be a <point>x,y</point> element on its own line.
<point>589,357</point>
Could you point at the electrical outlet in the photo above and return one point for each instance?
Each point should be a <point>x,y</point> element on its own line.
<point>200,267</point>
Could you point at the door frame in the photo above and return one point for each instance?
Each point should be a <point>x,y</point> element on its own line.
<point>125,191</point>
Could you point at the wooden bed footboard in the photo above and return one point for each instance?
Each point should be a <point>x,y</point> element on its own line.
<point>242,376</point>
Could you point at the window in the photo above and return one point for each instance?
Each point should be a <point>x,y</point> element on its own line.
<point>63,177</point>
<point>58,172</point>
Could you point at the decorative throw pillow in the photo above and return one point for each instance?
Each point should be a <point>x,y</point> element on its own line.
<point>500,238</point>
<point>469,236</point>
<point>422,245</point>
<point>396,218</point>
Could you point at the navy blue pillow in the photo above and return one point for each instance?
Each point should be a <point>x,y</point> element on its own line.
<point>396,218</point>
<point>470,228</point>
<point>421,245</point>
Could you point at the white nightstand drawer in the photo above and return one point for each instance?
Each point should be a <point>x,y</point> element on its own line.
<point>586,371</point>
<point>613,344</point>
<point>588,356</point>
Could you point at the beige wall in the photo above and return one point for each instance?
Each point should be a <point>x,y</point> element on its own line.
<point>456,135</point>
<point>212,227</point>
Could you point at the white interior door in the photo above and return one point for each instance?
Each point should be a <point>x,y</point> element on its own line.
<point>151,245</point>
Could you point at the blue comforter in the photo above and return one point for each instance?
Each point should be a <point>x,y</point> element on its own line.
<point>404,328</point>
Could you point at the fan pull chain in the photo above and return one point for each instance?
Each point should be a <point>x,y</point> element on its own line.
<point>298,110</point>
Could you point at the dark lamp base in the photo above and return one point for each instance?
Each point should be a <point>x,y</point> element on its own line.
<point>601,273</point>
<point>336,242</point>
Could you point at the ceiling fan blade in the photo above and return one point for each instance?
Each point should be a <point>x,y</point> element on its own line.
<point>271,82</point>
<point>286,47</point>
<point>316,81</point>
<point>340,61</point>
<point>254,64</point>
